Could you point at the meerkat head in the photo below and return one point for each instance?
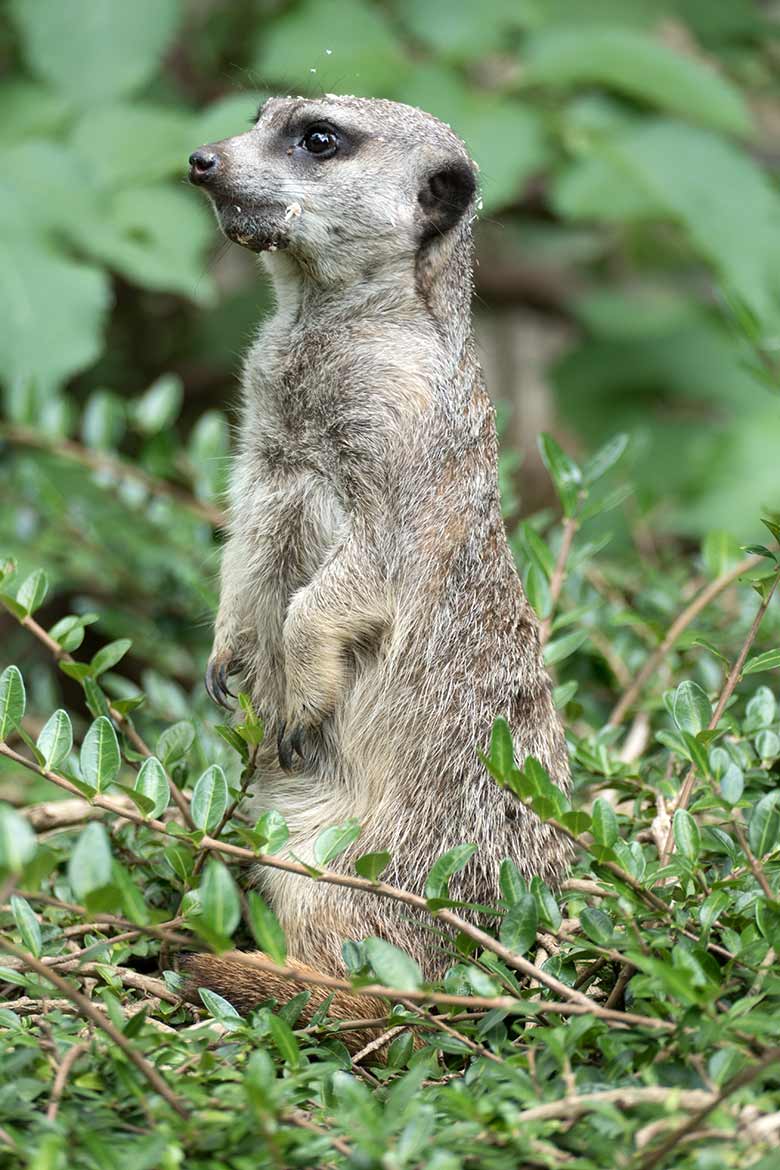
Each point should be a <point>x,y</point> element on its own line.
<point>344,185</point>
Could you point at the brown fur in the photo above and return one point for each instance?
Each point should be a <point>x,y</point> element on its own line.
<point>369,601</point>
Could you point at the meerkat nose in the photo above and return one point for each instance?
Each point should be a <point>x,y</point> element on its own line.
<point>203,164</point>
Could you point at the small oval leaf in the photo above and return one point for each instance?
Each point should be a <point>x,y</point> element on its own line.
<point>152,782</point>
<point>209,798</point>
<point>55,741</point>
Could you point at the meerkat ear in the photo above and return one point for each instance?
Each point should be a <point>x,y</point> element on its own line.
<point>445,195</point>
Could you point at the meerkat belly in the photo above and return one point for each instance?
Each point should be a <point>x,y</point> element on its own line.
<point>292,529</point>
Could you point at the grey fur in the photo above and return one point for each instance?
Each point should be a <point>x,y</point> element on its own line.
<point>369,599</point>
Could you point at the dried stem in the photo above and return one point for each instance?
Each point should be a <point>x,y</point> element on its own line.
<point>570,526</point>
<point>381,889</point>
<point>61,1078</point>
<point>121,720</point>
<point>728,689</point>
<point>742,1078</point>
<point>116,466</point>
<point>575,1106</point>
<point>678,626</point>
<point>92,1013</point>
<point>505,1003</point>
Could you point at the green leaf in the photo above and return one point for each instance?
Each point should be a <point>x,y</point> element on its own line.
<point>272,828</point>
<point>769,660</point>
<point>217,1006</point>
<point>563,647</point>
<point>512,884</point>
<point>17,840</point>
<point>284,1040</point>
<point>266,928</point>
<point>764,825</point>
<point>691,175</point>
<point>12,700</point>
<point>53,309</point>
<point>341,45</point>
<point>152,782</point>
<point>109,655</point>
<point>370,865</point>
<point>537,590</point>
<point>605,458</point>
<point>119,45</point>
<point>451,862</point>
<point>502,750</point>
<point>519,925</point>
<point>220,907</point>
<point>691,708</point>
<point>564,472</point>
<point>99,758</point>
<point>391,965</point>
<point>334,840</point>
<point>604,824</point>
<point>638,66</point>
<point>89,865</point>
<point>55,741</point>
<point>175,742</point>
<point>760,711</point>
<point>32,591</point>
<point>687,837</point>
<point>27,924</point>
<point>597,926</point>
<point>209,798</point>
<point>732,784</point>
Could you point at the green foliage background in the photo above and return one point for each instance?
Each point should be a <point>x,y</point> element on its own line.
<point>628,151</point>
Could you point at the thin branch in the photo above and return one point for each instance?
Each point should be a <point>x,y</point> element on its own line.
<point>755,866</point>
<point>732,679</point>
<point>505,1003</point>
<point>739,1081</point>
<point>121,720</point>
<point>92,1013</point>
<point>570,526</point>
<point>571,1107</point>
<point>61,1079</point>
<point>678,626</point>
<point>440,1023</point>
<point>116,466</point>
<point>381,889</point>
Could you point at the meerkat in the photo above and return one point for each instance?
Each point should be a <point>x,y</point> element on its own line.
<point>369,601</point>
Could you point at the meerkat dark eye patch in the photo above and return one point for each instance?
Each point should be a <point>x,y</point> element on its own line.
<point>446,195</point>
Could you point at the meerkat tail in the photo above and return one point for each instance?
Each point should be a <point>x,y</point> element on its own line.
<point>246,986</point>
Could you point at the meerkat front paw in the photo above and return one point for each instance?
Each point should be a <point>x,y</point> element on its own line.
<point>219,667</point>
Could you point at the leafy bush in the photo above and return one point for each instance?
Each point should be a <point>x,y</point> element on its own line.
<point>629,1018</point>
<point>635,1006</point>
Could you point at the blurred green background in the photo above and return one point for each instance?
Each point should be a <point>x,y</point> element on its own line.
<point>628,272</point>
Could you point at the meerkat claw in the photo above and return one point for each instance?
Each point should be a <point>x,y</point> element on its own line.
<point>216,682</point>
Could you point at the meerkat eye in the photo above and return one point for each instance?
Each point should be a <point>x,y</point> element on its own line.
<point>320,140</point>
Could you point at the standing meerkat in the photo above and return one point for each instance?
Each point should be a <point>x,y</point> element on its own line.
<point>369,599</point>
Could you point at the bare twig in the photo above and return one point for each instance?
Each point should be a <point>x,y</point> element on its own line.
<point>121,720</point>
<point>506,1003</point>
<point>575,1106</point>
<point>114,465</point>
<point>466,1041</point>
<point>92,1013</point>
<point>739,1081</point>
<point>728,689</point>
<point>678,626</point>
<point>382,889</point>
<point>570,526</point>
<point>61,1079</point>
<point>755,867</point>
